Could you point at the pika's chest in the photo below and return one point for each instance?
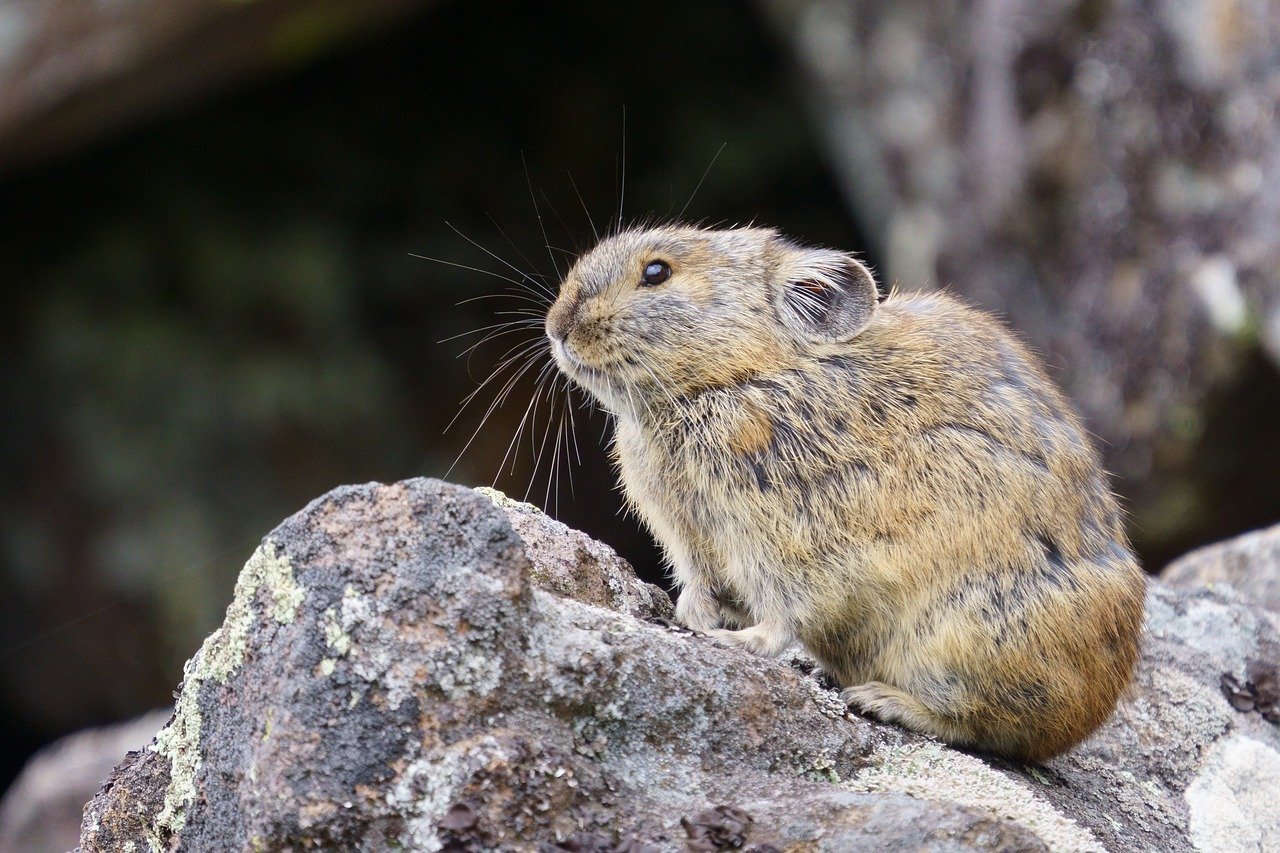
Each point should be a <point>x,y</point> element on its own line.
<point>699,481</point>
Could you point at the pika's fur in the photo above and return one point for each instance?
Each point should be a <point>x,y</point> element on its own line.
<point>898,485</point>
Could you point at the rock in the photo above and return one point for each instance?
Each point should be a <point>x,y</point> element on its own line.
<point>41,811</point>
<point>71,71</point>
<point>390,676</point>
<point>1250,563</point>
<point>573,565</point>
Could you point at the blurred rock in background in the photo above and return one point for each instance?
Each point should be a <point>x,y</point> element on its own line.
<point>42,810</point>
<point>1106,176</point>
<point>207,211</point>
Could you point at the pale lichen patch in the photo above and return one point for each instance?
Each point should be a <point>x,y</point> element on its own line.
<point>502,500</point>
<point>334,636</point>
<point>930,771</point>
<point>222,653</point>
<point>1232,802</point>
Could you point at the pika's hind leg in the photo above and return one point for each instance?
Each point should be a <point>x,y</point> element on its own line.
<point>888,703</point>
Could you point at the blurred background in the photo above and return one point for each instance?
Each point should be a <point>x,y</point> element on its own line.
<point>212,312</point>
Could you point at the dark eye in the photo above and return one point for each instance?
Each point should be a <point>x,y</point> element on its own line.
<point>656,272</point>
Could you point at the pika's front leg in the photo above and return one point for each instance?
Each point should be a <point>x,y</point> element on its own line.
<point>767,639</point>
<point>697,607</point>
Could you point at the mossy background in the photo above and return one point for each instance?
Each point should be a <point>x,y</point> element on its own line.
<point>215,316</point>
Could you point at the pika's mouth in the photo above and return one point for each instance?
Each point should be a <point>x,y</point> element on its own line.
<point>575,366</point>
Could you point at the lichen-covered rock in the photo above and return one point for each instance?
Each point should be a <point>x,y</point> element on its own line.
<point>570,563</point>
<point>389,676</point>
<point>1250,563</point>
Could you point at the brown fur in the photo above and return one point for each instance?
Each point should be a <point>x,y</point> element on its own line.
<point>900,487</point>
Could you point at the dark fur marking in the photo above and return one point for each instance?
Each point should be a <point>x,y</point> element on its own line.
<point>762,478</point>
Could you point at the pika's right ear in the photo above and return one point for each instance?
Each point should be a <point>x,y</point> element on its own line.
<point>825,295</point>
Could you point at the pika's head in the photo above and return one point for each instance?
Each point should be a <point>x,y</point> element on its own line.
<point>659,313</point>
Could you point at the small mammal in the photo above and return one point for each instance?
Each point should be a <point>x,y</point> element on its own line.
<point>896,484</point>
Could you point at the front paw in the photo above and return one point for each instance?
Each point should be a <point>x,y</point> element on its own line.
<point>698,610</point>
<point>758,639</point>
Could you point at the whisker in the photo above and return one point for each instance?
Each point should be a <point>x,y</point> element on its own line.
<point>519,252</point>
<point>534,282</point>
<point>622,191</point>
<point>522,296</point>
<point>594,233</point>
<point>705,172</point>
<point>567,230</point>
<point>492,337</point>
<point>532,359</point>
<point>538,213</point>
<point>465,267</point>
<point>527,349</point>
<point>503,325</point>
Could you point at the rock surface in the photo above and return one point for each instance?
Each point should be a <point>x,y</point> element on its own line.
<point>1249,563</point>
<point>390,676</point>
<point>41,810</point>
<point>71,70</point>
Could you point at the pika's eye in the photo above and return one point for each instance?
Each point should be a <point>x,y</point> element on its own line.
<point>656,272</point>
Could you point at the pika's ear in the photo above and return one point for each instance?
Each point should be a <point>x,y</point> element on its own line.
<point>825,295</point>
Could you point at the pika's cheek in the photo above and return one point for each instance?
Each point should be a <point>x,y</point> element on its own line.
<point>589,334</point>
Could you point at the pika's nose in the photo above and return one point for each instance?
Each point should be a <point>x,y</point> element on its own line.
<point>561,317</point>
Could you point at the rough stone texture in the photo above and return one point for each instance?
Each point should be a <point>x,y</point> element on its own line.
<point>70,70</point>
<point>1250,563</point>
<point>41,811</point>
<point>1106,175</point>
<point>389,675</point>
<point>571,564</point>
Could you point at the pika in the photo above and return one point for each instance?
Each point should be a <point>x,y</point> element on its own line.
<point>896,484</point>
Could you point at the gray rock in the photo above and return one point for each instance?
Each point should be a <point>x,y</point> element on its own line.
<point>1250,563</point>
<point>71,71</point>
<point>571,564</point>
<point>389,676</point>
<point>41,810</point>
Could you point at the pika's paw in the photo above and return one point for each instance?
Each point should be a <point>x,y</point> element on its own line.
<point>891,705</point>
<point>698,610</point>
<point>758,639</point>
<point>874,699</point>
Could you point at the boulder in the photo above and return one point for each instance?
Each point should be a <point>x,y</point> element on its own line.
<point>41,810</point>
<point>73,71</point>
<point>390,675</point>
<point>1249,563</point>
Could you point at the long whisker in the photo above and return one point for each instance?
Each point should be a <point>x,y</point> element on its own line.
<point>527,349</point>
<point>521,296</point>
<point>594,233</point>
<point>519,252</point>
<point>517,326</point>
<point>541,286</point>
<point>565,225</point>
<point>622,191</point>
<point>538,213</point>
<point>525,418</point>
<point>510,383</point>
<point>465,267</point>
<point>503,325</point>
<point>705,172</point>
